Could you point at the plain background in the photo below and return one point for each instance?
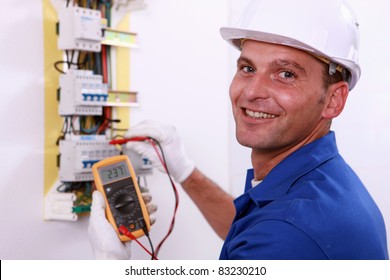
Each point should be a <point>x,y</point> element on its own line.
<point>182,72</point>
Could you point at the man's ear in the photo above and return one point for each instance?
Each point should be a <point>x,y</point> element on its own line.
<point>337,97</point>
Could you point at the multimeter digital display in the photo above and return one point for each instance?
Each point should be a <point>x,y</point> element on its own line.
<point>115,178</point>
<point>113,172</point>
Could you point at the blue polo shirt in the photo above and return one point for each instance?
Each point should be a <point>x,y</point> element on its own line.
<point>310,206</point>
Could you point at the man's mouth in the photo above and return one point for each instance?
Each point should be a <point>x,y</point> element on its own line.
<point>259,115</point>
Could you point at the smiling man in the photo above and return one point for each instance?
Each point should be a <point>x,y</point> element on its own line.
<point>303,200</point>
<point>296,66</point>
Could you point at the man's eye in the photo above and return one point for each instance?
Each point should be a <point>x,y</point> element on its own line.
<point>247,69</point>
<point>287,75</point>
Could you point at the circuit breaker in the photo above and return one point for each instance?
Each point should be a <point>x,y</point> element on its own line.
<point>80,29</point>
<point>81,93</point>
<point>79,153</point>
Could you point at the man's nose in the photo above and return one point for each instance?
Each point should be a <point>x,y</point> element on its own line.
<point>258,87</point>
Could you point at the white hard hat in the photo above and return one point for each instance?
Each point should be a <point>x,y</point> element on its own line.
<point>327,29</point>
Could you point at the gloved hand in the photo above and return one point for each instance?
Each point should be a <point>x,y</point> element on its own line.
<point>105,242</point>
<point>179,165</point>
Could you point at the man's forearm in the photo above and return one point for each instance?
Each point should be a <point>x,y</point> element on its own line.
<point>215,204</point>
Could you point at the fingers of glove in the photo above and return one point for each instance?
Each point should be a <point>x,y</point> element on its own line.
<point>99,228</point>
<point>152,208</point>
<point>179,165</point>
<point>98,206</point>
<point>143,149</point>
<point>159,131</point>
<point>152,220</point>
<point>98,223</point>
<point>144,189</point>
<point>147,197</point>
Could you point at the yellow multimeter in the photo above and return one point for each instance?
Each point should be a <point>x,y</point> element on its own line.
<point>115,178</point>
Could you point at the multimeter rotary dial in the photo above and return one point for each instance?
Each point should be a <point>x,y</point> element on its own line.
<point>123,204</point>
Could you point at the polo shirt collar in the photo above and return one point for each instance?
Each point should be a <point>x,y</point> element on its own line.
<point>277,183</point>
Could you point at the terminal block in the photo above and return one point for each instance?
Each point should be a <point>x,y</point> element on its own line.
<point>82,93</point>
<point>58,206</point>
<point>80,29</point>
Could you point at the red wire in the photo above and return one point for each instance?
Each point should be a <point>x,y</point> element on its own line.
<point>125,140</point>
<point>122,229</point>
<point>176,196</point>
<point>107,110</point>
<point>104,64</point>
<point>107,115</point>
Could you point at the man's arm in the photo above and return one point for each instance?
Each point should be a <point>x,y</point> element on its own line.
<point>214,203</point>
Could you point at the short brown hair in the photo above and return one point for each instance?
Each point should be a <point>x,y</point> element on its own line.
<point>328,79</point>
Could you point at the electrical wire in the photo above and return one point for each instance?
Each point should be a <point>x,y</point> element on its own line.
<point>164,163</point>
<point>151,245</point>
<point>67,127</point>
<point>90,124</point>
<point>57,68</point>
<point>69,63</point>
<point>122,229</point>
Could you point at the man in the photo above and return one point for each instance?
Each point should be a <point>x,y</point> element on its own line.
<point>301,200</point>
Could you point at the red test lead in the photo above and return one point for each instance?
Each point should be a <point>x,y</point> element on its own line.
<point>122,229</point>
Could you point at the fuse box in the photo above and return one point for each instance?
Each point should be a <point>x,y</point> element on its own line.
<point>82,93</point>
<point>80,29</point>
<point>91,97</point>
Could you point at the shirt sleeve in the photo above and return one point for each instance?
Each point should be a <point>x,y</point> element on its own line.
<point>274,240</point>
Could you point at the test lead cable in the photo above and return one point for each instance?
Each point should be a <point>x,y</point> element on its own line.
<point>122,229</point>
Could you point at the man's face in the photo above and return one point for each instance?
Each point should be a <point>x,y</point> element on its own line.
<point>277,97</point>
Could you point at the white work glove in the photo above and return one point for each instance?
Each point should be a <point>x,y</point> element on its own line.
<point>105,242</point>
<point>179,165</point>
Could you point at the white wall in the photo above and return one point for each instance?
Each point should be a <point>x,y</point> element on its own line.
<point>182,72</point>
<point>362,129</point>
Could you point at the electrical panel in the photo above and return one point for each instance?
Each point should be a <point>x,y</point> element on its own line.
<point>89,96</point>
<point>80,29</point>
<point>82,93</point>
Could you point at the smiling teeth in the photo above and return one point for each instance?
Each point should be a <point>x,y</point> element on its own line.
<point>259,115</point>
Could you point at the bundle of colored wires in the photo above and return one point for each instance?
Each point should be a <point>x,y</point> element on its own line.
<point>160,153</point>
